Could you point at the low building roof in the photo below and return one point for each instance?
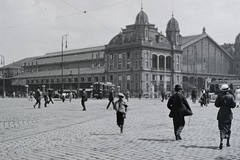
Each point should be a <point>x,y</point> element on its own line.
<point>73,71</point>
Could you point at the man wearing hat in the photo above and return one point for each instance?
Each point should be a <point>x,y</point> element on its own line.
<point>121,109</point>
<point>84,99</point>
<point>178,104</point>
<point>225,102</point>
<point>111,98</point>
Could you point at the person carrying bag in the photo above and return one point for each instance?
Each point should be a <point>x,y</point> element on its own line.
<point>179,108</point>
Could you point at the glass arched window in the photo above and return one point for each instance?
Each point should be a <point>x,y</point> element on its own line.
<point>161,62</point>
<point>154,61</point>
<point>169,63</point>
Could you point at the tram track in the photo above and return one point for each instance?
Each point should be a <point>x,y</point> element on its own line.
<point>58,127</point>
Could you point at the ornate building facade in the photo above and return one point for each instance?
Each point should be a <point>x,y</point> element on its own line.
<point>138,59</point>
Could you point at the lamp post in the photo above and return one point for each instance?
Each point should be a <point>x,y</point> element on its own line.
<point>70,75</point>
<point>63,37</point>
<point>49,80</point>
<point>3,64</point>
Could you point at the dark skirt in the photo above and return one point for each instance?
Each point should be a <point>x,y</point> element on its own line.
<point>225,129</point>
<point>120,118</point>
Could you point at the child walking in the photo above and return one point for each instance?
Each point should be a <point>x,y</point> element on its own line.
<point>121,109</point>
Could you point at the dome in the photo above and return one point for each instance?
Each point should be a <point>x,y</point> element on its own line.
<point>142,18</point>
<point>173,25</point>
<point>237,39</point>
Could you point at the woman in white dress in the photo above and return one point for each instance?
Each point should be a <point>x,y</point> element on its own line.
<point>237,96</point>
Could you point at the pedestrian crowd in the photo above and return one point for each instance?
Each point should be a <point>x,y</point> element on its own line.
<point>177,104</point>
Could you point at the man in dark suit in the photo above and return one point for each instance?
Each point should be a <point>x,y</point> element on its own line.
<point>178,104</point>
<point>84,99</point>
<point>111,98</point>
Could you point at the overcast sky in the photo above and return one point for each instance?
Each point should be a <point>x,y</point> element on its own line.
<point>35,27</point>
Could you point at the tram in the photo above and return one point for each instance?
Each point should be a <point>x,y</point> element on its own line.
<point>101,89</point>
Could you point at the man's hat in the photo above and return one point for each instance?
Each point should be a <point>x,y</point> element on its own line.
<point>224,87</point>
<point>120,95</point>
<point>178,87</point>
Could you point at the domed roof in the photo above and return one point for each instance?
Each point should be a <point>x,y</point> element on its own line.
<point>141,18</point>
<point>173,25</point>
<point>237,39</point>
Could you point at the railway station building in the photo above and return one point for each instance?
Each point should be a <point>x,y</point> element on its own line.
<point>139,59</point>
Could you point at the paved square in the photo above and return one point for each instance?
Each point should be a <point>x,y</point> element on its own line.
<point>64,131</point>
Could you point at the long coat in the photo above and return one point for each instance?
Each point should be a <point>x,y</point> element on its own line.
<point>225,102</point>
<point>177,104</point>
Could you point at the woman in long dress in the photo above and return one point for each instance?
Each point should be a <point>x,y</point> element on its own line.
<point>225,102</point>
<point>237,96</point>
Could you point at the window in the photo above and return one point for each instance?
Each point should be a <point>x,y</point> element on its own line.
<point>103,79</point>
<point>147,87</point>
<point>146,59</point>
<point>32,81</point>
<point>96,79</point>
<point>75,79</point>
<point>42,81</point>
<point>136,64</point>
<point>128,86</point>
<point>128,77</point>
<point>161,78</point>
<point>146,77</point>
<point>64,80</point>
<point>136,77</point>
<point>178,62</point>
<point>82,79</point>
<point>119,78</point>
<point>111,57</point>
<point>168,63</point>
<point>119,64</point>
<point>89,79</point>
<point>128,64</point>
<point>120,56</point>
<point>111,78</point>
<point>128,55</point>
<point>154,61</point>
<point>154,77</point>
<point>136,86</point>
<point>58,80</point>
<point>47,80</point>
<point>161,62</point>
<point>111,65</point>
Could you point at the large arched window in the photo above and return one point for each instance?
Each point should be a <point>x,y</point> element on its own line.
<point>154,61</point>
<point>161,62</point>
<point>169,63</point>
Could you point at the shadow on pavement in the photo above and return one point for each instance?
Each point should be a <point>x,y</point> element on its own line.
<point>160,140</point>
<point>207,147</point>
<point>96,134</point>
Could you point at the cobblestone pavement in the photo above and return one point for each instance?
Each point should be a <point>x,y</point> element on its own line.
<point>64,131</point>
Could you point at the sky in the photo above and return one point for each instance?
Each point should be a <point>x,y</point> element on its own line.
<point>31,28</point>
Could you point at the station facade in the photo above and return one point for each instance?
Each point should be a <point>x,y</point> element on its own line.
<point>139,59</point>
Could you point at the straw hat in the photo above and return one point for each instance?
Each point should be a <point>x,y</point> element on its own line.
<point>120,95</point>
<point>224,87</point>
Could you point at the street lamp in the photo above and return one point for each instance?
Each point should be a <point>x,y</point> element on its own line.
<point>49,80</point>
<point>63,37</point>
<point>71,75</point>
<point>3,64</point>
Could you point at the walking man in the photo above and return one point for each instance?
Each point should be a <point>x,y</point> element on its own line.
<point>111,98</point>
<point>84,99</point>
<point>38,98</point>
<point>178,104</point>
